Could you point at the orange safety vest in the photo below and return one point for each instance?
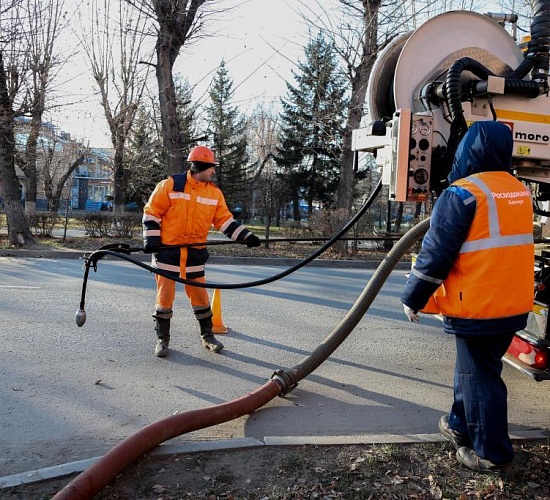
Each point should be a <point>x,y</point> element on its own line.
<point>187,216</point>
<point>182,217</point>
<point>501,232</point>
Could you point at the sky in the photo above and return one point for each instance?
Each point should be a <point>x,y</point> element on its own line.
<point>260,41</point>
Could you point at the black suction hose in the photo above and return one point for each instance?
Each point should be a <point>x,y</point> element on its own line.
<point>122,252</point>
<point>90,482</point>
<point>536,60</point>
<point>453,87</point>
<point>539,45</point>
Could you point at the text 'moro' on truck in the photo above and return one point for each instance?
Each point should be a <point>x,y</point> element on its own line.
<point>427,86</point>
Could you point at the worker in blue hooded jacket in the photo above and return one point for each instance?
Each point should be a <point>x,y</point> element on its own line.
<point>475,268</point>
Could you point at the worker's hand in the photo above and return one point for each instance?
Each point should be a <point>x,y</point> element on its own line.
<point>148,248</point>
<point>252,241</point>
<point>411,314</point>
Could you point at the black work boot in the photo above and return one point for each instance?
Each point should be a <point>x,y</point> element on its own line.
<point>162,328</point>
<point>208,339</point>
<point>161,349</point>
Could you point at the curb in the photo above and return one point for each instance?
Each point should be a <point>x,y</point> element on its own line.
<point>44,254</point>
<point>58,471</point>
<point>213,259</point>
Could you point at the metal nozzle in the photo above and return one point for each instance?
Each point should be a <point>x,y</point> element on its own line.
<point>80,317</point>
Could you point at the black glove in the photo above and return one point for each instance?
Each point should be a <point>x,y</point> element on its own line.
<point>148,248</point>
<point>252,241</point>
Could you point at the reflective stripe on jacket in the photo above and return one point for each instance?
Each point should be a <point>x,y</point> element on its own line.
<point>501,231</point>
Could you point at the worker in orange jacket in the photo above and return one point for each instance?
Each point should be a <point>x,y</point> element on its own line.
<point>476,269</point>
<point>181,210</point>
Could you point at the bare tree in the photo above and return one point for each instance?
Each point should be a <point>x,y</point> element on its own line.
<point>115,54</point>
<point>61,159</point>
<point>360,30</point>
<point>268,191</point>
<point>178,23</point>
<point>19,233</point>
<point>45,21</point>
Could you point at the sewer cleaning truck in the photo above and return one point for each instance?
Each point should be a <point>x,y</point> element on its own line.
<point>428,86</point>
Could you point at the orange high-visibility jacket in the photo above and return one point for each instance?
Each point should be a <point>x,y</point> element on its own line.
<point>501,231</point>
<point>176,217</point>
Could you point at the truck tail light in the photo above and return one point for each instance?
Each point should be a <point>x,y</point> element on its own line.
<point>529,354</point>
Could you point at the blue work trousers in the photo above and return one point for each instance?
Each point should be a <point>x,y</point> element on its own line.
<point>480,407</point>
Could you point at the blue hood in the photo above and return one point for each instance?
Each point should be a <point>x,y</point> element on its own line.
<point>487,146</point>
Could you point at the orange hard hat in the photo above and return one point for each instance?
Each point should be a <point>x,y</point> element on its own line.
<point>202,154</point>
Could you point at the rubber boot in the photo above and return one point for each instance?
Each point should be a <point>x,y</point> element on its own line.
<point>162,328</point>
<point>208,339</point>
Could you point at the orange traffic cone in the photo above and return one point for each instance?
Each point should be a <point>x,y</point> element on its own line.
<point>217,322</point>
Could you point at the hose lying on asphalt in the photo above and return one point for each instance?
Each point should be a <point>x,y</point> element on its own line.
<point>105,470</point>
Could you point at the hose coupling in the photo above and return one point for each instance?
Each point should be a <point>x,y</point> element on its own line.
<point>285,381</point>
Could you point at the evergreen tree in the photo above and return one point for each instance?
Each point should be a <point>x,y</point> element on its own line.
<point>313,118</point>
<point>186,112</point>
<point>146,160</point>
<point>227,128</point>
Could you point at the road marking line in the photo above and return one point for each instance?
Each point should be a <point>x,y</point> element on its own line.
<point>24,287</point>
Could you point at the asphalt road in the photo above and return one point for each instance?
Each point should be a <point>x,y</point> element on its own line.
<point>71,393</point>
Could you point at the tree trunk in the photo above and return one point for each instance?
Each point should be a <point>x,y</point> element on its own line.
<point>296,206</point>
<point>399,217</point>
<point>30,163</point>
<point>120,175</point>
<point>359,81</point>
<point>53,194</point>
<point>388,243</point>
<point>267,229</point>
<point>417,210</point>
<point>176,23</point>
<point>19,233</point>
<point>171,136</point>
<point>344,192</point>
<point>30,170</point>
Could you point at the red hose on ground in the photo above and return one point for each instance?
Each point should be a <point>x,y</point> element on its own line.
<point>91,481</point>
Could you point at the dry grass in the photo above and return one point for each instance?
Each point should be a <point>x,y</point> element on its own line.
<point>419,471</point>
